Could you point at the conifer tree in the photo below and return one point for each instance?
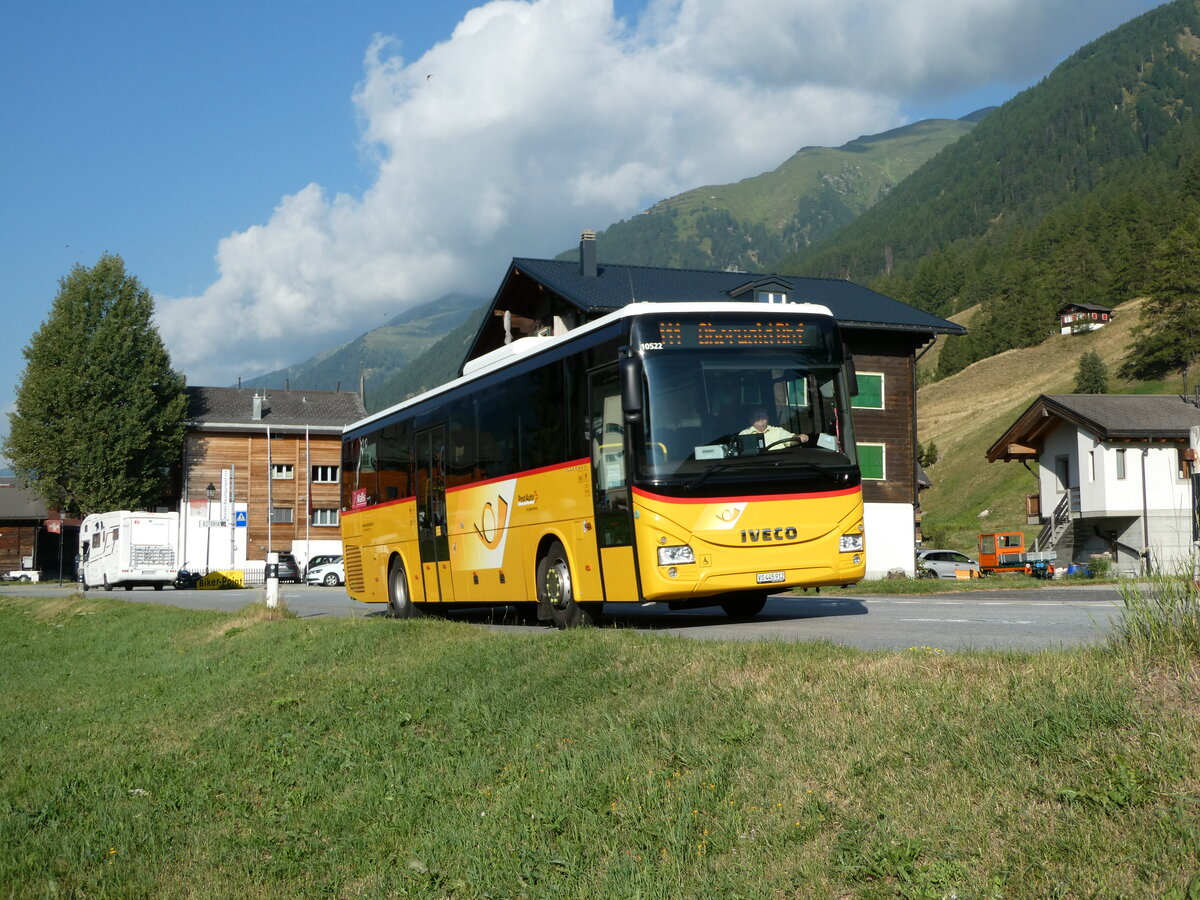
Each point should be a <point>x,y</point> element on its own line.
<point>99,415</point>
<point>1092,375</point>
<point>1168,338</point>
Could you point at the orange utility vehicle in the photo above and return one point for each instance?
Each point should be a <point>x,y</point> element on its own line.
<point>1005,552</point>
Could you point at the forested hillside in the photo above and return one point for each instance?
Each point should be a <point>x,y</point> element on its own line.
<point>755,222</point>
<point>1075,190</point>
<point>380,354</point>
<point>438,364</point>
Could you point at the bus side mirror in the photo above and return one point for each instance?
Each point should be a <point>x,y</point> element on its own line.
<point>851,372</point>
<point>631,388</point>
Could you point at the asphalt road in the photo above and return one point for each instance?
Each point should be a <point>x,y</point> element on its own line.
<point>1045,618</point>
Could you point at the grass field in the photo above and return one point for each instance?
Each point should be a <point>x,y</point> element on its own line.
<point>149,751</point>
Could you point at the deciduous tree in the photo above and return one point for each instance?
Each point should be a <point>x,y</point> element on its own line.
<point>99,413</point>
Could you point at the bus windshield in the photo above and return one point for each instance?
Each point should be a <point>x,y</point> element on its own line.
<point>741,411</point>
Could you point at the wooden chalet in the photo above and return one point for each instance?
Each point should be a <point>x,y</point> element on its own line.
<point>261,472</point>
<point>1076,318</point>
<point>33,537</point>
<point>883,335</point>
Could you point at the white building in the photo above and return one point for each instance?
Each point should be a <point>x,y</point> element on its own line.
<point>1115,476</point>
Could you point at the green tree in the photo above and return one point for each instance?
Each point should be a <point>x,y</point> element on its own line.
<point>1092,375</point>
<point>99,415</point>
<point>1168,338</point>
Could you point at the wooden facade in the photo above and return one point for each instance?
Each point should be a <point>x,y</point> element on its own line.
<point>282,451</point>
<point>252,463</point>
<point>894,424</point>
<point>18,541</point>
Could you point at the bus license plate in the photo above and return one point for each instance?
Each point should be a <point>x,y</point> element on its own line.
<point>769,577</point>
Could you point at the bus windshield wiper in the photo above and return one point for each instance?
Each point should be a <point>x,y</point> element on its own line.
<point>703,476</point>
<point>742,462</point>
<point>820,470</point>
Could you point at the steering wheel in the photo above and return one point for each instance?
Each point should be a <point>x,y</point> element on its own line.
<point>794,439</point>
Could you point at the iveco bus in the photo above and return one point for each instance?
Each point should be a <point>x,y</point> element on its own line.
<point>617,463</point>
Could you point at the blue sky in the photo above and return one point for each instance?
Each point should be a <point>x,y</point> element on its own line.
<point>286,176</point>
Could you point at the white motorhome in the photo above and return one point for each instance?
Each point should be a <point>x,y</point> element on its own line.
<point>126,549</point>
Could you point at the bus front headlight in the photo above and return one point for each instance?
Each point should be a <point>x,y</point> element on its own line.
<point>851,543</point>
<point>675,556</point>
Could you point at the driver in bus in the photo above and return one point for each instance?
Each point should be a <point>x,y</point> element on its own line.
<point>759,424</point>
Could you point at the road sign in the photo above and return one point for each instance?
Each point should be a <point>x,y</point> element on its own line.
<point>239,518</point>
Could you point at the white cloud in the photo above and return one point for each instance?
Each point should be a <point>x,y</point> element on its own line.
<point>536,119</point>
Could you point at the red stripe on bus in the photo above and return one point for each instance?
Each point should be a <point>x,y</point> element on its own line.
<point>474,484</point>
<point>526,474</point>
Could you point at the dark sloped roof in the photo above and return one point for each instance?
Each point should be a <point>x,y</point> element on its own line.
<point>1084,307</point>
<point>616,285</point>
<point>1110,417</point>
<point>221,407</point>
<point>17,502</point>
<point>1115,416</point>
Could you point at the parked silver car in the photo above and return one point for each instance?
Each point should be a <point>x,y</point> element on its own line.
<point>946,564</point>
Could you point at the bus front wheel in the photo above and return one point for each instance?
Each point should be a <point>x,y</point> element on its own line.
<point>400,604</point>
<point>746,606</point>
<point>556,595</point>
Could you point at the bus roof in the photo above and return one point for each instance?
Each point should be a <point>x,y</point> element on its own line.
<point>533,345</point>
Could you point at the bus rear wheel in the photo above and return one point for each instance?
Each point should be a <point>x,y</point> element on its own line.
<point>400,604</point>
<point>556,595</point>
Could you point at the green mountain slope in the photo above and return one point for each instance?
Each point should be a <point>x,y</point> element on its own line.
<point>1059,195</point>
<point>380,353</point>
<point>438,364</point>
<point>751,224</point>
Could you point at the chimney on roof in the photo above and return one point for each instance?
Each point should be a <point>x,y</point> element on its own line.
<point>587,254</point>
<point>258,407</point>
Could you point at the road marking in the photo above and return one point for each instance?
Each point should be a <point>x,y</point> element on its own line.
<point>974,621</point>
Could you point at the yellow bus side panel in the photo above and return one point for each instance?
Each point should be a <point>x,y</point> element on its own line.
<point>494,531</point>
<point>497,527</point>
<point>371,536</point>
<point>794,539</point>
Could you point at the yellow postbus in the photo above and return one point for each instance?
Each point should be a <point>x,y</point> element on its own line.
<point>689,454</point>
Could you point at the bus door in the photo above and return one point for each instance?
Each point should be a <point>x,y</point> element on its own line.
<point>430,457</point>
<point>610,490</point>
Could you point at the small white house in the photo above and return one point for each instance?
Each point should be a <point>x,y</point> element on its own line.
<point>1115,477</point>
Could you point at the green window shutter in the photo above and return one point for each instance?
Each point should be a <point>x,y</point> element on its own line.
<point>870,461</point>
<point>870,391</point>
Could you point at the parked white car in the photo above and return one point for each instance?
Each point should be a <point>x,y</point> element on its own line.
<point>330,574</point>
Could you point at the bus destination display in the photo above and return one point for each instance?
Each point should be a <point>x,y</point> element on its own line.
<point>754,333</point>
